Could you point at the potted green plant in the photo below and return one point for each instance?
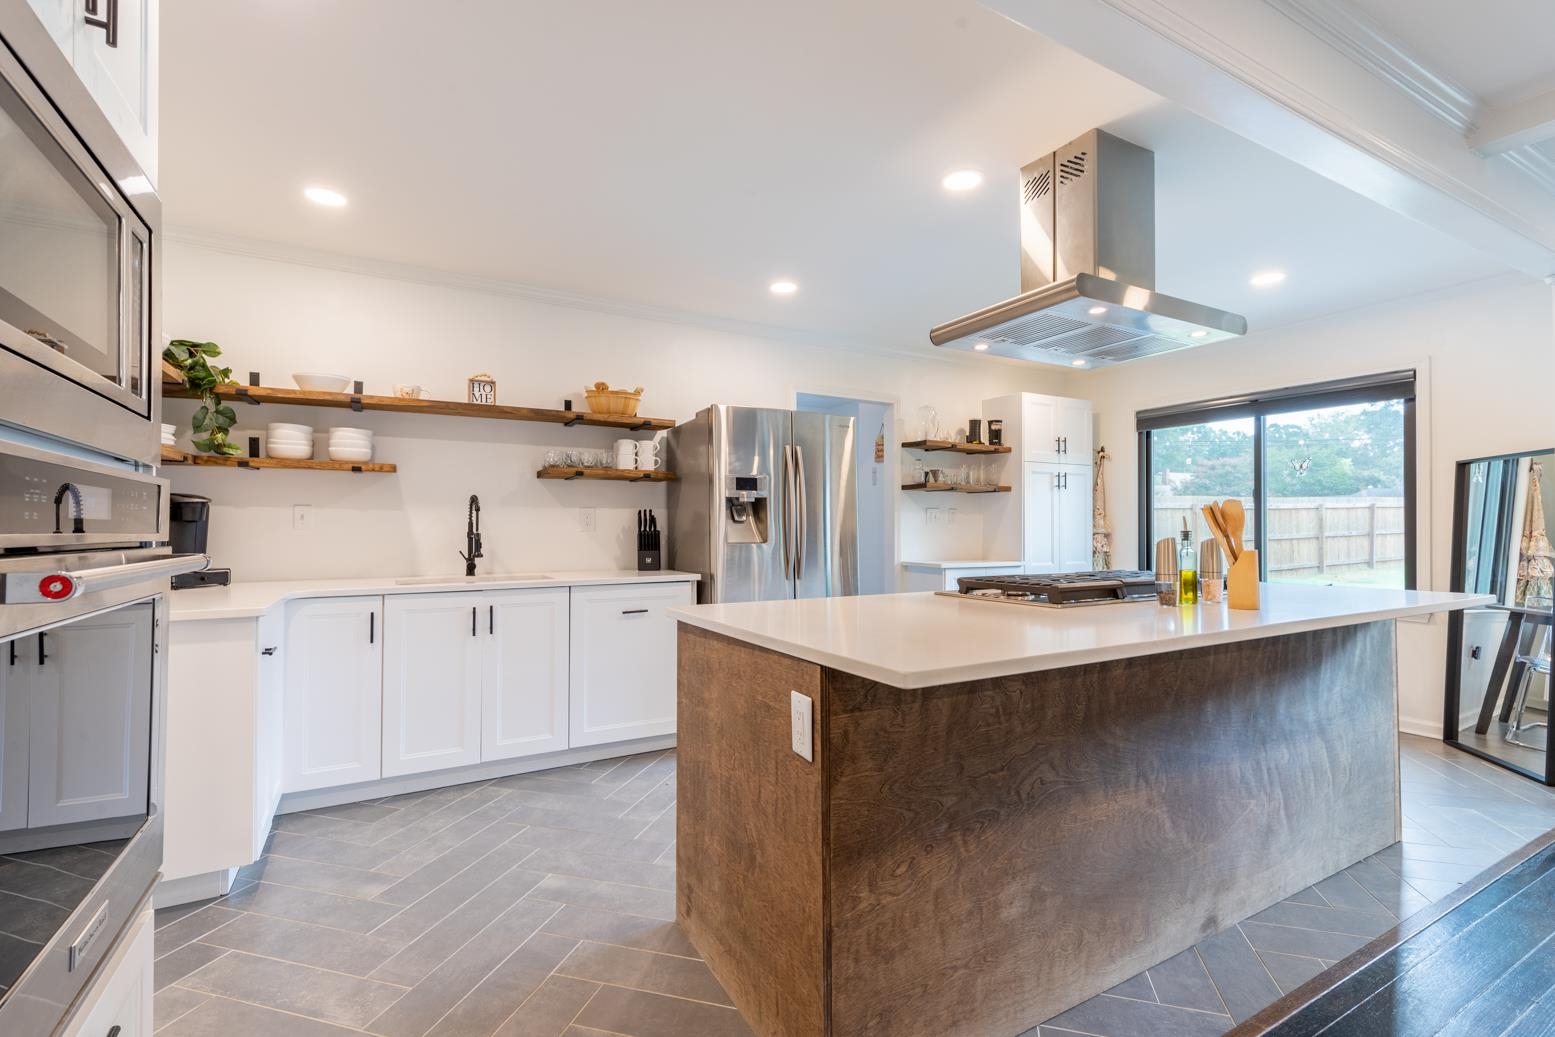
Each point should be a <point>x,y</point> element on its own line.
<point>213,419</point>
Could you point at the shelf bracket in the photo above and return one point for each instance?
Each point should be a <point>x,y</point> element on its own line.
<point>574,421</point>
<point>356,468</point>
<point>356,402</point>
<point>243,463</point>
<point>253,380</point>
<point>575,475</point>
<point>645,477</point>
<point>646,426</point>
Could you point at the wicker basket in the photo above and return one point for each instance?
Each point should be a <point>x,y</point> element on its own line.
<point>605,400</point>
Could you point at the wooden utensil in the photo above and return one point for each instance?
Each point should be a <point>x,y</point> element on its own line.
<point>1235,521</point>
<point>1219,534</point>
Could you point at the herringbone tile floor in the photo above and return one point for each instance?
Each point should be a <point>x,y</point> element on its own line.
<point>542,906</point>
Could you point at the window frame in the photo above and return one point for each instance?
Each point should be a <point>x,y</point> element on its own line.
<point>1378,388</point>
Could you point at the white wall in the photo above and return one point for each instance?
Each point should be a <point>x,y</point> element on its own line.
<point>1485,356</point>
<point>278,317</point>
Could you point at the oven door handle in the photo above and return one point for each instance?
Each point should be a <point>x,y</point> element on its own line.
<point>26,588</point>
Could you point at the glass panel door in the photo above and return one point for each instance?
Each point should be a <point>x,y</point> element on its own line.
<point>1334,483</point>
<point>1191,465</point>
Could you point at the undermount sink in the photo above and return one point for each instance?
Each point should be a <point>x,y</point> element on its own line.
<point>483,578</point>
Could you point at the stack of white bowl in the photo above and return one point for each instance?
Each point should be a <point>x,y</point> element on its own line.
<point>168,434</point>
<point>350,444</point>
<point>289,442</point>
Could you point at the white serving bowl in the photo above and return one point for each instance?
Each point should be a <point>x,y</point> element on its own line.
<point>289,453</point>
<point>341,453</point>
<point>346,430</point>
<point>361,441</point>
<point>312,381</point>
<point>291,438</point>
<point>281,426</point>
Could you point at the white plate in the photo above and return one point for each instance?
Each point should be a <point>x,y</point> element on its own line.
<point>289,453</point>
<point>290,440</point>
<point>346,454</point>
<point>316,382</point>
<point>281,426</point>
<point>361,441</point>
<point>347,430</point>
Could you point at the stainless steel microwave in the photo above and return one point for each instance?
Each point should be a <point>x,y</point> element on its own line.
<point>79,219</point>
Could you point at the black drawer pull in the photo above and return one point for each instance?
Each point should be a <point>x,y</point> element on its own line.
<point>268,651</point>
<point>115,1031</point>
<point>633,612</point>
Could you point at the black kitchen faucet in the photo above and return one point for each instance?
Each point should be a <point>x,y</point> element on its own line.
<point>472,537</point>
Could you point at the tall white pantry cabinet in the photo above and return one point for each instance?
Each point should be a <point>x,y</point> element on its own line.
<point>1048,521</point>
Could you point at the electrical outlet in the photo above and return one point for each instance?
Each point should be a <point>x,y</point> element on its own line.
<point>950,516</point>
<point>931,516</point>
<point>801,714</point>
<point>585,520</point>
<point>302,516</point>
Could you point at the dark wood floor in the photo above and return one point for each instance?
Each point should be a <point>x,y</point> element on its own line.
<point>542,906</point>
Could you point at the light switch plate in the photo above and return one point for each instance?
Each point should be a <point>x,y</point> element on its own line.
<point>801,715</point>
<point>302,516</point>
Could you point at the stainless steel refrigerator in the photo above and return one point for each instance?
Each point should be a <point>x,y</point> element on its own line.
<point>764,505</point>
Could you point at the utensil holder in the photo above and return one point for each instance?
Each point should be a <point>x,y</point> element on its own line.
<point>1242,582</point>
<point>648,561</point>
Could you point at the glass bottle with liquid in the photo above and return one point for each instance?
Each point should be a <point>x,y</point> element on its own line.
<point>1187,569</point>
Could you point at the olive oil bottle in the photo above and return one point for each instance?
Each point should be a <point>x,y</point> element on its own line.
<point>1187,569</point>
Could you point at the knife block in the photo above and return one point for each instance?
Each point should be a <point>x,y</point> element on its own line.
<point>648,561</point>
<point>1242,582</point>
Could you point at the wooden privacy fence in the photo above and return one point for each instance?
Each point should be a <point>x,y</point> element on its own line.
<point>1311,535</point>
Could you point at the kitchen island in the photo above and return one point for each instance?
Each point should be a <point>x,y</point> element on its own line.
<point>1010,809</point>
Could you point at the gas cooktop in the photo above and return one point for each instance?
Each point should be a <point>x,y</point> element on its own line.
<point>1060,590</point>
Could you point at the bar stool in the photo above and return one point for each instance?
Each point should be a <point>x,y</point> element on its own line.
<point>1537,662</point>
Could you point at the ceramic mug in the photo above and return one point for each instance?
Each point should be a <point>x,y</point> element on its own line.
<point>409,392</point>
<point>626,453</point>
<point>648,459</point>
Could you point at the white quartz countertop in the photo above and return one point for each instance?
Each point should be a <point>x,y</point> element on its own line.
<point>977,563</point>
<point>921,640</point>
<point>247,600</point>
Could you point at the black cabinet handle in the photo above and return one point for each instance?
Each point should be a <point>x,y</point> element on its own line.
<point>43,649</point>
<point>473,610</point>
<point>115,1031</point>
<point>491,619</point>
<point>13,652</point>
<point>372,628</point>
<point>633,612</point>
<point>267,651</point>
<point>109,25</point>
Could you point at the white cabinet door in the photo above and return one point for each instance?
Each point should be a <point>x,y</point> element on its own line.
<point>334,692</point>
<point>524,672</point>
<point>118,1003</point>
<point>1039,517</point>
<point>123,78</point>
<point>269,693</point>
<point>1073,520</point>
<point>1039,428</point>
<point>623,661</point>
<point>1072,427</point>
<point>58,17</point>
<point>14,733</point>
<point>91,721</point>
<point>432,681</point>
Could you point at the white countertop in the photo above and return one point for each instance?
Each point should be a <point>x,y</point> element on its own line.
<point>247,600</point>
<point>978,563</point>
<point>921,640</point>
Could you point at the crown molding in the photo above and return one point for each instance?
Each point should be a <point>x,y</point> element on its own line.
<point>296,255</point>
<point>1370,46</point>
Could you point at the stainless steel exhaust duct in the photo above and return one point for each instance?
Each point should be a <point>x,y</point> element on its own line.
<point>1088,298</point>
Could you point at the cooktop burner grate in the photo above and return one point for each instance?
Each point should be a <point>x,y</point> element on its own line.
<point>1060,590</point>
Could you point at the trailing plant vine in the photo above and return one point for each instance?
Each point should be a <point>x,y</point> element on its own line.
<point>213,419</point>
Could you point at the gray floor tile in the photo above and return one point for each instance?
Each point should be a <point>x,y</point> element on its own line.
<point>1137,987</point>
<point>1368,924</point>
<point>56,887</point>
<point>304,905</point>
<point>328,851</point>
<point>1290,971</point>
<point>648,934</point>
<point>320,877</point>
<point>1307,942</point>
<point>171,1003</point>
<point>221,1017</point>
<point>363,813</point>
<point>425,954</point>
<point>606,869</point>
<point>1108,1016</point>
<point>193,926</point>
<point>548,1011</point>
<point>174,966</point>
<point>473,825</point>
<point>627,849</point>
<point>642,1014</point>
<point>31,920</point>
<point>1240,978</point>
<point>326,996</point>
<point>607,896</point>
<point>511,983</point>
<point>644,970</point>
<point>547,817</point>
<point>352,953</point>
<point>166,916</point>
<point>1181,981</point>
<point>423,880</point>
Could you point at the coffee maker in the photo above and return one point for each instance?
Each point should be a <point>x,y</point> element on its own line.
<point>189,524</point>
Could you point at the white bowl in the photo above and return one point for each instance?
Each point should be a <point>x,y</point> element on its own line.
<point>347,430</point>
<point>343,440</point>
<point>289,438</point>
<point>281,426</point>
<point>315,382</point>
<point>289,453</point>
<point>340,453</point>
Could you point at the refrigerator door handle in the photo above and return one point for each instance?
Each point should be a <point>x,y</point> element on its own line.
<point>801,514</point>
<point>787,504</point>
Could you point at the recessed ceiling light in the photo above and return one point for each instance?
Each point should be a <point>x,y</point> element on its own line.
<point>784,287</point>
<point>1078,363</point>
<point>324,196</point>
<point>1096,311</point>
<point>962,180</point>
<point>1197,334</point>
<point>1266,278</point>
<point>980,346</point>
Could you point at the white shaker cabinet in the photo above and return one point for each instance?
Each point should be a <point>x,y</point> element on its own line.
<point>432,681</point>
<point>1055,429</point>
<point>623,661</point>
<point>334,692</point>
<point>524,669</point>
<point>91,728</point>
<point>1056,512</point>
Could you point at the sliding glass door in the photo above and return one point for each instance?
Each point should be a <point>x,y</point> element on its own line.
<point>1326,473</point>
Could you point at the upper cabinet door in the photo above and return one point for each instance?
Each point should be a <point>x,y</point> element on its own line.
<point>1039,428</point>
<point>333,705</point>
<point>122,78</point>
<point>524,672</point>
<point>1072,426</point>
<point>432,681</point>
<point>91,720</point>
<point>623,661</point>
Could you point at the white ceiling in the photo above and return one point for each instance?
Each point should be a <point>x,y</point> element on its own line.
<point>683,153</point>
<point>1500,50</point>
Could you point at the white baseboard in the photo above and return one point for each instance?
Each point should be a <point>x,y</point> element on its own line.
<point>1424,728</point>
<point>313,799</point>
<point>172,892</point>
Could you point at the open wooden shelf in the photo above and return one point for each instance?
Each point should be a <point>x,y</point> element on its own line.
<point>171,375</point>
<point>933,445</point>
<point>173,455</point>
<point>945,487</point>
<point>614,474</point>
<point>215,461</point>
<point>360,402</point>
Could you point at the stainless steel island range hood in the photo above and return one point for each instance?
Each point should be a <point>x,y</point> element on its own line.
<point>1087,271</point>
